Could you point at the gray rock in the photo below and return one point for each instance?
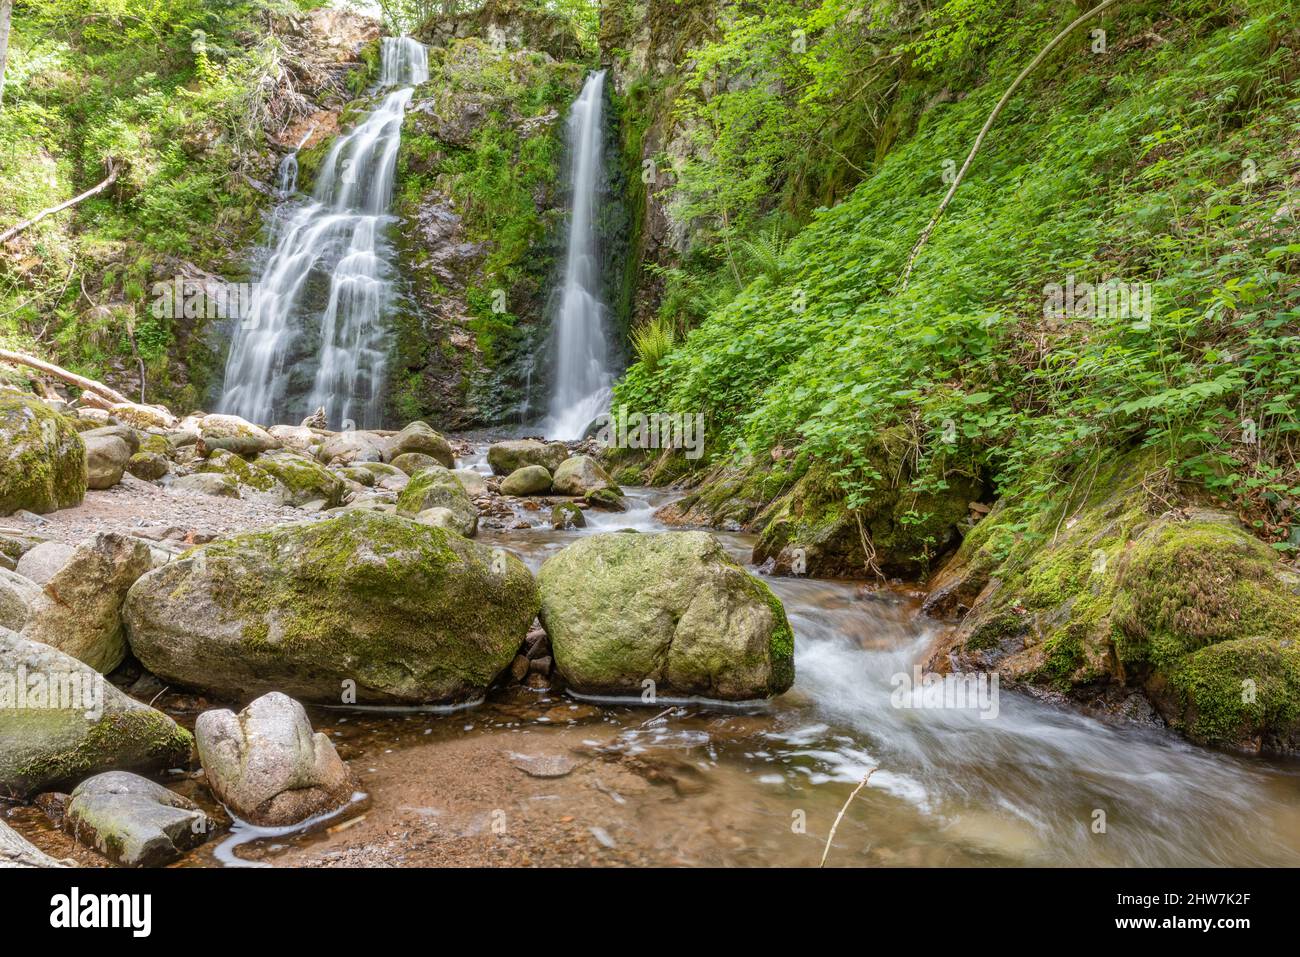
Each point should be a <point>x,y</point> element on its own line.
<point>124,432</point>
<point>85,726</point>
<point>505,457</point>
<point>437,487</point>
<point>412,462</point>
<point>148,466</point>
<point>17,597</point>
<point>41,562</point>
<point>230,433</point>
<point>581,475</point>
<point>17,851</point>
<point>208,483</point>
<point>267,766</point>
<point>106,458</point>
<point>418,437</point>
<point>133,821</point>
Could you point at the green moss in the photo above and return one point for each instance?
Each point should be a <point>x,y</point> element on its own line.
<point>42,457</point>
<point>1242,691</point>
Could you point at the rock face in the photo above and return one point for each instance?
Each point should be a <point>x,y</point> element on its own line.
<point>506,457</point>
<point>1127,597</point>
<point>529,480</point>
<point>437,487</point>
<point>106,460</point>
<point>133,821</point>
<point>17,851</point>
<point>394,610</point>
<point>267,766</point>
<point>42,457</point>
<point>672,608</point>
<point>581,475</point>
<point>43,746</point>
<point>78,609</point>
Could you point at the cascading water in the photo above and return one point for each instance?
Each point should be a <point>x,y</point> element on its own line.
<point>314,335</point>
<point>582,379</point>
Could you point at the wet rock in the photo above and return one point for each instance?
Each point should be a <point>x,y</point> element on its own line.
<point>208,483</point>
<point>399,611</point>
<point>44,457</point>
<point>529,480</point>
<point>437,487</point>
<point>418,437</point>
<point>580,476</point>
<point>133,821</point>
<point>567,515</point>
<point>77,609</point>
<point>149,466</point>
<point>519,668</point>
<point>267,766</point>
<point>506,457</point>
<point>672,608</point>
<point>544,765</point>
<point>94,728</point>
<point>17,851</point>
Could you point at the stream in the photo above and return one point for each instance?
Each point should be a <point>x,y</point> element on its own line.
<point>762,785</point>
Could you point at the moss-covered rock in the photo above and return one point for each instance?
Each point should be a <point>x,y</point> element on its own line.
<point>149,466</point>
<point>1100,585</point>
<point>42,457</point>
<point>672,609</point>
<point>437,487</point>
<point>302,478</point>
<point>44,746</point>
<point>386,608</point>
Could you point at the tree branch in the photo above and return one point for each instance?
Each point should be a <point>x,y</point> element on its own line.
<point>13,231</point>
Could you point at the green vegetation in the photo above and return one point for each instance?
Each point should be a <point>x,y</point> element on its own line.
<point>1166,159</point>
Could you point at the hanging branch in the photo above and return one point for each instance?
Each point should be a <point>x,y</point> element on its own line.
<point>979,140</point>
<point>13,231</point>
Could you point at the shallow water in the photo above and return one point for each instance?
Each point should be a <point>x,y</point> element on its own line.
<point>762,785</point>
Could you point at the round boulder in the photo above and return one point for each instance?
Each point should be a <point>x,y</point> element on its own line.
<point>42,457</point>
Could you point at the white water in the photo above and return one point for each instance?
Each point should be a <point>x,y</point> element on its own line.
<point>315,332</point>
<point>582,379</point>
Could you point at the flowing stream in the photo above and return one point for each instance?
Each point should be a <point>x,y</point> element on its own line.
<point>315,333</point>
<point>761,785</point>
<point>582,379</point>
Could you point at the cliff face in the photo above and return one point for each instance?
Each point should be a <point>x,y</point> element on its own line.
<point>647,47</point>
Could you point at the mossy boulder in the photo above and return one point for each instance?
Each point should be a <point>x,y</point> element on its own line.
<point>42,457</point>
<point>437,487</point>
<point>134,821</point>
<point>419,438</point>
<point>567,515</point>
<point>906,522</point>
<point>99,729</point>
<point>149,466</point>
<point>506,457</point>
<point>1101,587</point>
<point>581,475</point>
<point>529,480</point>
<point>230,433</point>
<point>381,607</point>
<point>301,477</point>
<point>106,459</point>
<point>412,462</point>
<point>670,608</point>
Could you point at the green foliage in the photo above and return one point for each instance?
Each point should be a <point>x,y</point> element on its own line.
<point>1128,166</point>
<point>652,342</point>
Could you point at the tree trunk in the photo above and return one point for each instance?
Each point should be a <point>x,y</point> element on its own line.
<point>6,9</point>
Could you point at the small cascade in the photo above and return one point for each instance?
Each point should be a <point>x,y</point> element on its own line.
<point>582,377</point>
<point>315,332</point>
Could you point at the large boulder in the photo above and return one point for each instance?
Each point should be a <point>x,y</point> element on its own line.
<point>301,478</point>
<point>581,475</point>
<point>437,487</point>
<point>133,821</point>
<point>1106,595</point>
<point>529,480</point>
<point>61,721</point>
<point>412,462</point>
<point>230,433</point>
<point>18,595</point>
<point>39,564</point>
<point>267,766</point>
<point>148,466</point>
<point>419,438</point>
<point>42,457</point>
<point>671,608</point>
<point>78,608</point>
<point>17,851</point>
<point>124,432</point>
<point>505,457</point>
<point>346,448</point>
<point>388,609</point>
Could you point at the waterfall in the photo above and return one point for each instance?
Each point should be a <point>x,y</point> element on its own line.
<point>582,379</point>
<point>315,334</point>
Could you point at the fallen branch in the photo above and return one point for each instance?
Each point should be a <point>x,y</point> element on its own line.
<point>89,386</point>
<point>13,231</point>
<point>979,140</point>
<point>830,837</point>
